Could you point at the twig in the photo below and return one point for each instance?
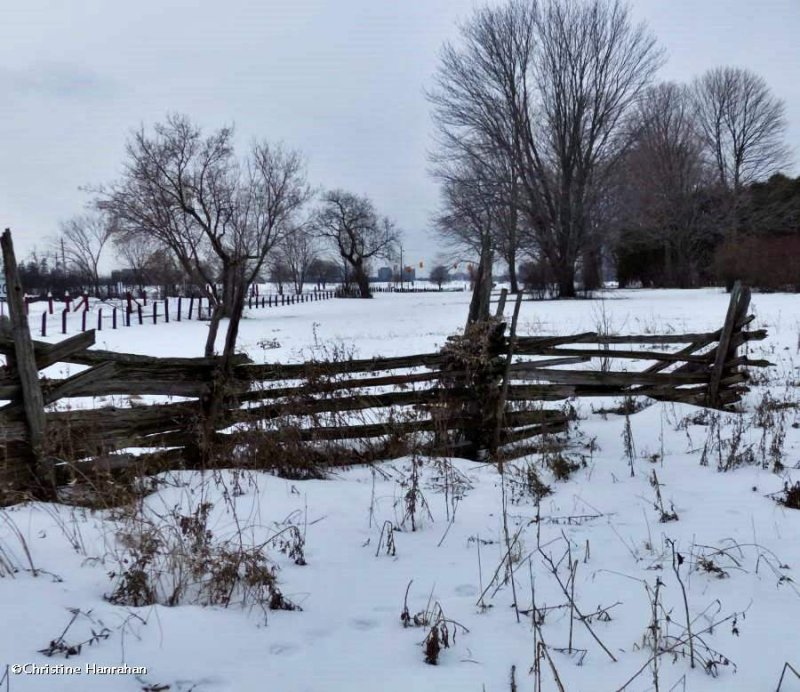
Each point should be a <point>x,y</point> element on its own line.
<point>786,666</point>
<point>678,643</point>
<point>554,571</point>
<point>677,559</point>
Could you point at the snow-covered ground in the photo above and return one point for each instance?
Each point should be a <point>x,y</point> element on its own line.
<point>727,561</point>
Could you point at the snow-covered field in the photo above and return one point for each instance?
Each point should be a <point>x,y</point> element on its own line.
<point>726,560</point>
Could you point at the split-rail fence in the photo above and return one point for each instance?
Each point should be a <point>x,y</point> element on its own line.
<point>485,393</point>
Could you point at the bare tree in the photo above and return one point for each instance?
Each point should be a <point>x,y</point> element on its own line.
<point>354,229</point>
<point>323,271</point>
<point>457,159</point>
<point>279,272</point>
<point>548,84</point>
<point>136,251</point>
<point>468,220</point>
<point>298,251</point>
<point>439,275</point>
<point>219,216</point>
<point>743,125</point>
<point>663,181</point>
<point>83,239</point>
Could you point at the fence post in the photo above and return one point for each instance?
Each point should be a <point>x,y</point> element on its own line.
<point>67,300</point>
<point>50,302</point>
<point>83,320</point>
<point>180,305</point>
<point>114,318</point>
<point>44,323</point>
<point>64,314</point>
<point>24,362</point>
<point>191,306</point>
<point>155,312</point>
<point>166,309</point>
<point>737,309</point>
<point>139,310</point>
<point>99,319</point>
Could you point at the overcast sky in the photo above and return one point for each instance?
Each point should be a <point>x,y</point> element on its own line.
<point>342,80</point>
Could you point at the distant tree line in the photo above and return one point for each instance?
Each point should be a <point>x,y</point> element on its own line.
<point>560,155</point>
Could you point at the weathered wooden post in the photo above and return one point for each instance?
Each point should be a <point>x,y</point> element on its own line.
<point>24,363</point>
<point>737,311</point>
<point>64,314</point>
<point>44,324</point>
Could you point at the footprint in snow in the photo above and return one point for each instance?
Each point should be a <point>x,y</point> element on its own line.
<point>363,624</point>
<point>466,590</point>
<point>279,649</point>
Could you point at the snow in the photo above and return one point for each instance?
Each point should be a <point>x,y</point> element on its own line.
<point>349,634</point>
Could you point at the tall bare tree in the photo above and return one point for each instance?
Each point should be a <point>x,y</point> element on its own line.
<point>548,84</point>
<point>459,162</point>
<point>218,215</point>
<point>663,181</point>
<point>352,226</point>
<point>468,220</point>
<point>743,125</point>
<point>82,241</point>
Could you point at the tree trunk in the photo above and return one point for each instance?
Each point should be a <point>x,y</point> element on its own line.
<point>362,280</point>
<point>229,282</point>
<point>213,404</point>
<point>592,271</point>
<point>566,280</point>
<point>512,271</point>
<point>215,316</point>
<point>482,287</point>
<point>511,240</point>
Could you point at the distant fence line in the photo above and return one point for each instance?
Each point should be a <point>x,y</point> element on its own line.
<point>99,315</point>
